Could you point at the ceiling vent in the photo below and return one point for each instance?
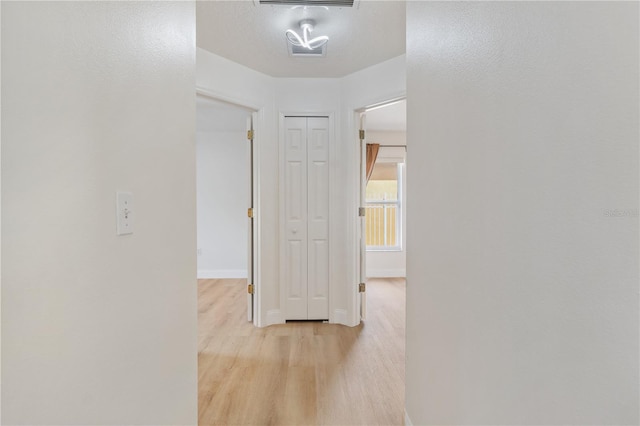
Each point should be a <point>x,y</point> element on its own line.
<point>303,52</point>
<point>326,3</point>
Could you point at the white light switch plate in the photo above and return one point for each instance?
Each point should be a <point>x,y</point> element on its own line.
<point>124,211</point>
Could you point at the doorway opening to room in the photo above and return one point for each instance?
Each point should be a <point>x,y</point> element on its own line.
<point>382,185</point>
<point>225,196</point>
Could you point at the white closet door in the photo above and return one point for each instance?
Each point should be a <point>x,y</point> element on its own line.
<point>295,252</point>
<point>318,217</point>
<point>306,210</point>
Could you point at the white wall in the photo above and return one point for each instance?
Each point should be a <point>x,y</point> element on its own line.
<point>390,263</point>
<point>307,95</point>
<point>375,84</point>
<point>98,328</point>
<point>222,198</point>
<point>522,287</point>
<point>0,217</point>
<point>387,137</point>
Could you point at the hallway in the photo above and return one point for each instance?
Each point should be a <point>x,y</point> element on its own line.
<point>303,373</point>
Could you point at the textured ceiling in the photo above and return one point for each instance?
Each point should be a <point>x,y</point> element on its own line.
<point>253,35</point>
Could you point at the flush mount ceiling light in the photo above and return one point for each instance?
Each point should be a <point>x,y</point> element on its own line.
<point>333,3</point>
<point>306,26</point>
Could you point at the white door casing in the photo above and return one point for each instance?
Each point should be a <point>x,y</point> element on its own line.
<point>306,218</point>
<point>250,239</point>
<point>362,300</point>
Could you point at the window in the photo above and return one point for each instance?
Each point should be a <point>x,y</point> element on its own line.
<point>383,204</point>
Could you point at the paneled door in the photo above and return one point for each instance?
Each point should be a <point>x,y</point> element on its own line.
<point>306,218</point>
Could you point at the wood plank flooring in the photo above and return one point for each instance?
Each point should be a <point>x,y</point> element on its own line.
<point>303,373</point>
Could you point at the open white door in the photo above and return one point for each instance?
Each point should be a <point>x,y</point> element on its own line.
<point>250,216</point>
<point>362,286</point>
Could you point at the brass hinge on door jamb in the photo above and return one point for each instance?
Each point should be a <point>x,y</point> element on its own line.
<point>250,135</point>
<point>362,287</point>
<point>361,134</point>
<point>250,289</point>
<point>362,211</point>
<point>250,212</point>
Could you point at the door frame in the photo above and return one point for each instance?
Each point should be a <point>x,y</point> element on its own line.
<point>355,178</point>
<point>281,205</point>
<point>258,115</point>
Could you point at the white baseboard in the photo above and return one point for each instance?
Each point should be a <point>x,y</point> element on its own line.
<point>340,316</point>
<point>274,316</point>
<point>221,273</point>
<point>407,420</point>
<point>386,273</point>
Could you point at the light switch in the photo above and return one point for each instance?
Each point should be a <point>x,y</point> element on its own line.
<point>124,211</point>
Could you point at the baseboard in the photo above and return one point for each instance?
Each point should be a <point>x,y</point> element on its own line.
<point>221,273</point>
<point>407,420</point>
<point>274,316</point>
<point>340,316</point>
<point>386,273</point>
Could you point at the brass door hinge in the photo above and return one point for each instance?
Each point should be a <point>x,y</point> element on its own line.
<point>361,134</point>
<point>362,211</point>
<point>362,287</point>
<point>250,212</point>
<point>250,289</point>
<point>250,135</point>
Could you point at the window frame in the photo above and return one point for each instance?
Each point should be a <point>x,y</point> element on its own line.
<point>399,206</point>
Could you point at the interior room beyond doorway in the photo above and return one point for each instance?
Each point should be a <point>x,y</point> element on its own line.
<point>223,189</point>
<point>386,214</point>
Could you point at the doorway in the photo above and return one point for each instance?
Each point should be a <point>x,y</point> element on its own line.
<point>225,194</point>
<point>385,195</point>
<point>382,193</point>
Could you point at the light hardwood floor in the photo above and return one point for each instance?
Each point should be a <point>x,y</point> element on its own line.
<point>302,373</point>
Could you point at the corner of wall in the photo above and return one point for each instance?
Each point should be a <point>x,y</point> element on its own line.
<point>274,316</point>
<point>386,273</point>
<point>205,274</point>
<point>340,317</point>
<point>0,217</point>
<point>407,420</point>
